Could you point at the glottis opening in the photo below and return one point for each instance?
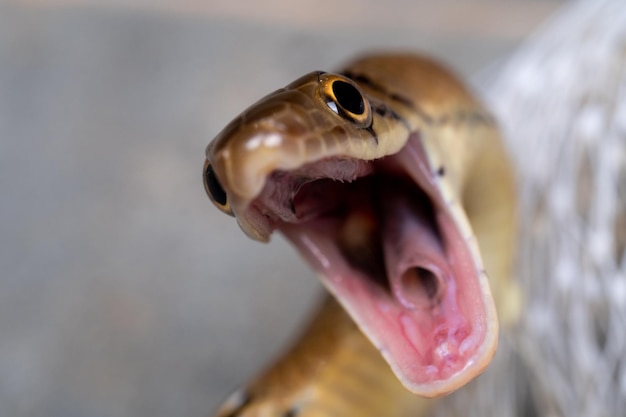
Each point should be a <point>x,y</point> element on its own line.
<point>422,287</point>
<point>388,247</point>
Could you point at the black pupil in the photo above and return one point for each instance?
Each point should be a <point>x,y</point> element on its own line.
<point>348,97</point>
<point>214,186</point>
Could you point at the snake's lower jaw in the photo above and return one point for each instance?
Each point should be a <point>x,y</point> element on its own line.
<point>404,263</point>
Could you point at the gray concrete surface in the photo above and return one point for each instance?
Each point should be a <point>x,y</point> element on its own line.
<point>123,292</point>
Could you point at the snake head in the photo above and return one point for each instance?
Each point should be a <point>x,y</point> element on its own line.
<point>319,117</point>
<point>373,178</point>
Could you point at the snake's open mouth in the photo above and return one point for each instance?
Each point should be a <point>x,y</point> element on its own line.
<point>397,257</point>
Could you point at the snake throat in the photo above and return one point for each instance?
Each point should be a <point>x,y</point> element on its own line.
<point>387,245</point>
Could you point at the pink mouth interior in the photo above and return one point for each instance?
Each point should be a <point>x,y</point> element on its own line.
<point>385,244</point>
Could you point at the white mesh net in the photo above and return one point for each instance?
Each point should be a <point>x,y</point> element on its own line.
<point>562,103</point>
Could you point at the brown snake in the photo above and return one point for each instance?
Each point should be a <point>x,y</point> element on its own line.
<point>391,180</point>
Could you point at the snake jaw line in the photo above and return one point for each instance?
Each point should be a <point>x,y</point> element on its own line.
<point>408,259</point>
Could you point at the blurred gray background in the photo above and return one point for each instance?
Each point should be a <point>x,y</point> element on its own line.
<point>123,292</point>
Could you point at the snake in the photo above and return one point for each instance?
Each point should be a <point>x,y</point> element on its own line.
<point>392,181</point>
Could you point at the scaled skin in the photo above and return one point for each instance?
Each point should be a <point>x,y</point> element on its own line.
<point>458,137</point>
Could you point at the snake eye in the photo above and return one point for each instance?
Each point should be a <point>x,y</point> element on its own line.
<point>214,189</point>
<point>348,97</point>
<point>343,97</point>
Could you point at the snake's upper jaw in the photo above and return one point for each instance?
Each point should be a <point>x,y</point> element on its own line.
<point>399,257</point>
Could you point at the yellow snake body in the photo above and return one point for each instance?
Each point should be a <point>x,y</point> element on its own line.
<point>279,164</point>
